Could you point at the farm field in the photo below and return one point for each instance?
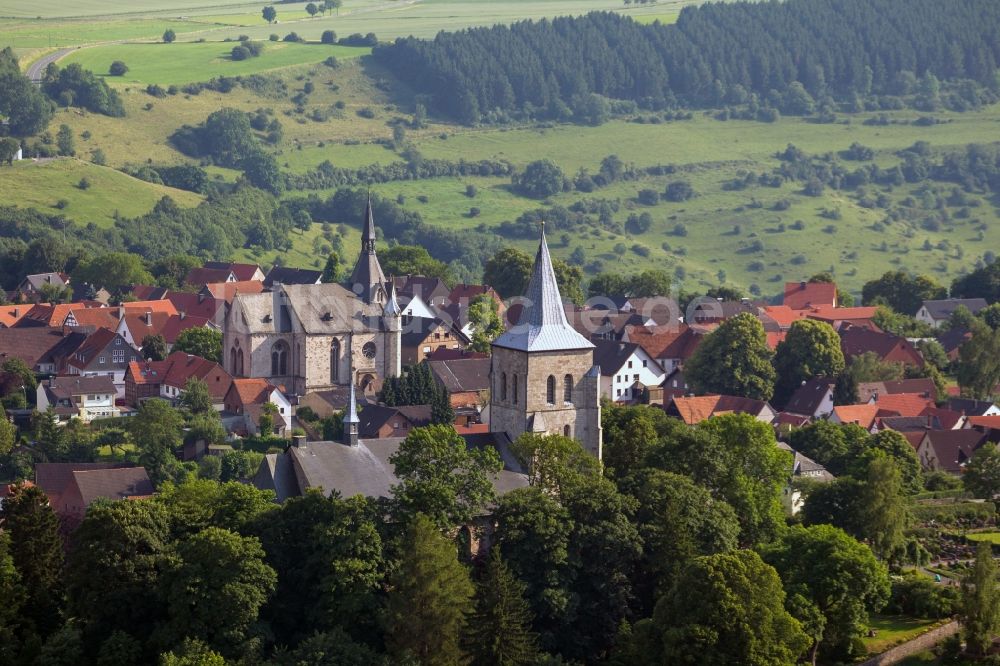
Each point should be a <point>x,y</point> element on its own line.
<point>21,33</point>
<point>42,185</point>
<point>179,63</point>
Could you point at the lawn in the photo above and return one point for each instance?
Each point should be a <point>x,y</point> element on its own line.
<point>895,629</point>
<point>349,156</point>
<point>990,537</point>
<point>180,63</point>
<point>41,186</point>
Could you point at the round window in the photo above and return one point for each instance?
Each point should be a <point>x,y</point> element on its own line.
<point>368,350</point>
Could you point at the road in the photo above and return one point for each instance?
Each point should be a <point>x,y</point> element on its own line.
<point>36,70</point>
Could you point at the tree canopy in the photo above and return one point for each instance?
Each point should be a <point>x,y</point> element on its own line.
<point>734,359</point>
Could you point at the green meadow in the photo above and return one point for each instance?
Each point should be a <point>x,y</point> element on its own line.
<point>54,187</point>
<point>185,62</point>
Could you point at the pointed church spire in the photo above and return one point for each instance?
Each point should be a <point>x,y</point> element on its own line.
<point>392,308</point>
<point>542,325</point>
<point>367,277</point>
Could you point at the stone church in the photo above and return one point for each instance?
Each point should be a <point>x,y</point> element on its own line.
<point>319,336</point>
<point>542,376</point>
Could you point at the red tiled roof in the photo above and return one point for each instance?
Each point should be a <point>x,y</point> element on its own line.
<point>948,418</point>
<point>142,323</point>
<point>252,390</point>
<point>670,341</point>
<point>240,271</point>
<point>863,415</point>
<point>783,315</point>
<point>801,295</point>
<point>226,291</point>
<point>96,317</point>
<point>773,338</point>
<point>985,421</point>
<point>829,313</point>
<point>94,344</point>
<point>905,404</point>
<point>10,314</point>
<point>150,306</point>
<point>198,305</point>
<point>200,276</point>
<point>695,409</point>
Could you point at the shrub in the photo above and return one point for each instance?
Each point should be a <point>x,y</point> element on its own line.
<point>274,37</point>
<point>366,112</point>
<point>328,37</point>
<point>118,68</point>
<point>84,184</point>
<point>155,90</point>
<point>331,62</point>
<point>291,37</point>
<point>916,596</point>
<point>470,190</point>
<point>679,190</point>
<point>649,197</point>
<point>474,212</point>
<point>240,53</point>
<point>169,36</point>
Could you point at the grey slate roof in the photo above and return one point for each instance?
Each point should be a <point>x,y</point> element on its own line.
<point>286,275</point>
<point>942,309</point>
<point>612,355</point>
<point>318,308</point>
<point>462,374</point>
<point>66,386</point>
<point>809,396</point>
<point>363,469</point>
<point>542,325</point>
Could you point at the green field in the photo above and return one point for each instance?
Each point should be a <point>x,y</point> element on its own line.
<point>29,9</point>
<point>42,185</point>
<point>989,537</point>
<point>181,63</point>
<point>895,629</point>
<point>34,33</point>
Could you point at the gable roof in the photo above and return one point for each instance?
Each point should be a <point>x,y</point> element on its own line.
<point>53,478</point>
<point>970,407</point>
<point>921,386</point>
<point>695,409</point>
<point>227,291</point>
<point>92,318</point>
<point>542,325</point>
<point>948,418</point>
<point>810,395</point>
<point>944,308</point>
<point>909,423</point>
<point>430,290</point>
<point>91,348</point>
<point>460,375</point>
<point>862,415</point>
<point>67,386</point>
<point>611,355</point>
<point>783,315</point>
<point>240,271</point>
<point>198,305</point>
<point>33,345</point>
<point>373,417</point>
<point>251,390</point>
<point>10,314</point>
<point>37,280</point>
<point>288,276</point>
<point>905,404</point>
<point>802,295</point>
<point>115,483</point>
<point>855,341</point>
<point>204,275</point>
<point>954,448</point>
<point>992,422</point>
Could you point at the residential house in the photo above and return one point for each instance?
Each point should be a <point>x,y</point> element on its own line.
<point>904,404</point>
<point>596,324</point>
<point>432,292</point>
<point>889,348</point>
<point>226,292</point>
<point>241,272</point>
<point>908,423</point>
<point>245,400</point>
<point>197,277</point>
<point>780,317</point>
<point>168,378</point>
<point>661,310</point>
<point>91,319</point>
<point>86,398</point>
<point>937,312</point>
<point>862,415</point>
<point>971,407</point>
<point>807,295</point>
<point>466,378</point>
<point>30,288</point>
<point>11,314</point>
<point>622,365</point>
<point>983,422</point>
<point>952,340</point>
<point>674,385</point>
<point>857,317</point>
<point>421,336</point>
<point>803,467</point>
<point>948,450</point>
<point>948,419</point>
<point>379,421</point>
<point>713,311</point>
<point>285,275</point>
<point>84,487</point>
<point>923,386</point>
<point>55,478</point>
<point>695,409</point>
<point>814,398</point>
<point>102,353</point>
<point>671,344</point>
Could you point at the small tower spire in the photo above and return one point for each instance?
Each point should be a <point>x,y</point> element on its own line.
<point>351,420</point>
<point>367,277</point>
<point>368,228</point>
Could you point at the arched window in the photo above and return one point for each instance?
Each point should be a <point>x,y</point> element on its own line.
<point>279,358</point>
<point>239,362</point>
<point>568,388</point>
<point>550,390</point>
<point>232,360</point>
<point>567,432</point>
<point>334,361</point>
<point>503,386</point>
<point>513,390</point>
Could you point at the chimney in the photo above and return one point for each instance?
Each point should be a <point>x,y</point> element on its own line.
<point>182,314</point>
<point>802,285</point>
<point>148,317</point>
<point>299,441</point>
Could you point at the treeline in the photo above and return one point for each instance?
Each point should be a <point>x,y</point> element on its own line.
<point>787,55</point>
<point>326,175</point>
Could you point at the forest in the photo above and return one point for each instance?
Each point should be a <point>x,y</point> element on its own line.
<point>790,56</point>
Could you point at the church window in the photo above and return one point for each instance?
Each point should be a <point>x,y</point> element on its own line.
<point>513,390</point>
<point>550,390</point>
<point>239,362</point>
<point>334,361</point>
<point>568,388</point>
<point>369,350</point>
<point>567,432</point>
<point>503,386</point>
<point>279,358</point>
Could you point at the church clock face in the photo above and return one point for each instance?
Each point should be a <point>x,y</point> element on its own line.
<point>368,350</point>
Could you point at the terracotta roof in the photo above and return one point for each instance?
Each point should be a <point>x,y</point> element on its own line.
<point>143,323</point>
<point>984,421</point>
<point>802,295</point>
<point>906,404</point>
<point>790,419</point>
<point>227,291</point>
<point>773,338</point>
<point>95,318</point>
<point>695,409</point>
<point>921,386</point>
<point>914,438</point>
<point>829,313</point>
<point>251,390</point>
<point>177,324</point>
<point>672,341</point>
<point>948,418</point>
<point>147,292</point>
<point>783,315</point>
<point>197,305</point>
<point>469,292</point>
<point>10,314</point>
<point>161,305</point>
<point>863,415</point>
<point>181,367</point>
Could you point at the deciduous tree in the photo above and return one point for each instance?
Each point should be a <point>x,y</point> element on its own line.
<point>811,349</point>
<point>979,612</point>
<point>201,341</point>
<point>734,359</point>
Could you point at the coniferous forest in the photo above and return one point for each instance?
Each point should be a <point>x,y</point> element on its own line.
<point>789,55</point>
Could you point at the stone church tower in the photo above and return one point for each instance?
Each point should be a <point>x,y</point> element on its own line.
<point>542,375</point>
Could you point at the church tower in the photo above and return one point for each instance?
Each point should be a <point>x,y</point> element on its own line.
<point>542,374</point>
<point>367,279</point>
<point>392,318</point>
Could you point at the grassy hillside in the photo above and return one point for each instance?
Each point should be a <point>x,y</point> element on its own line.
<point>44,185</point>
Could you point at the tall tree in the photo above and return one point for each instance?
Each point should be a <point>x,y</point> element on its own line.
<point>14,594</point>
<point>114,270</point>
<point>979,612</point>
<point>154,347</point>
<point>232,583</point>
<point>979,363</point>
<point>484,317</point>
<point>725,609</point>
<point>157,432</point>
<point>835,573</point>
<point>440,477</point>
<point>196,397</point>
<point>429,598</point>
<point>901,291</point>
<point>883,508</point>
<point>201,341</point>
<point>508,272</point>
<point>554,463</point>
<point>269,14</point>
<point>37,551</point>
<point>734,359</point>
<point>811,349</point>
<point>499,628</point>
<point>982,474</point>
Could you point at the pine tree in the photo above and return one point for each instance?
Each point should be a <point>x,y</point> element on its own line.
<point>441,409</point>
<point>429,598</point>
<point>37,551</point>
<point>13,594</point>
<point>499,631</point>
<point>980,611</point>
